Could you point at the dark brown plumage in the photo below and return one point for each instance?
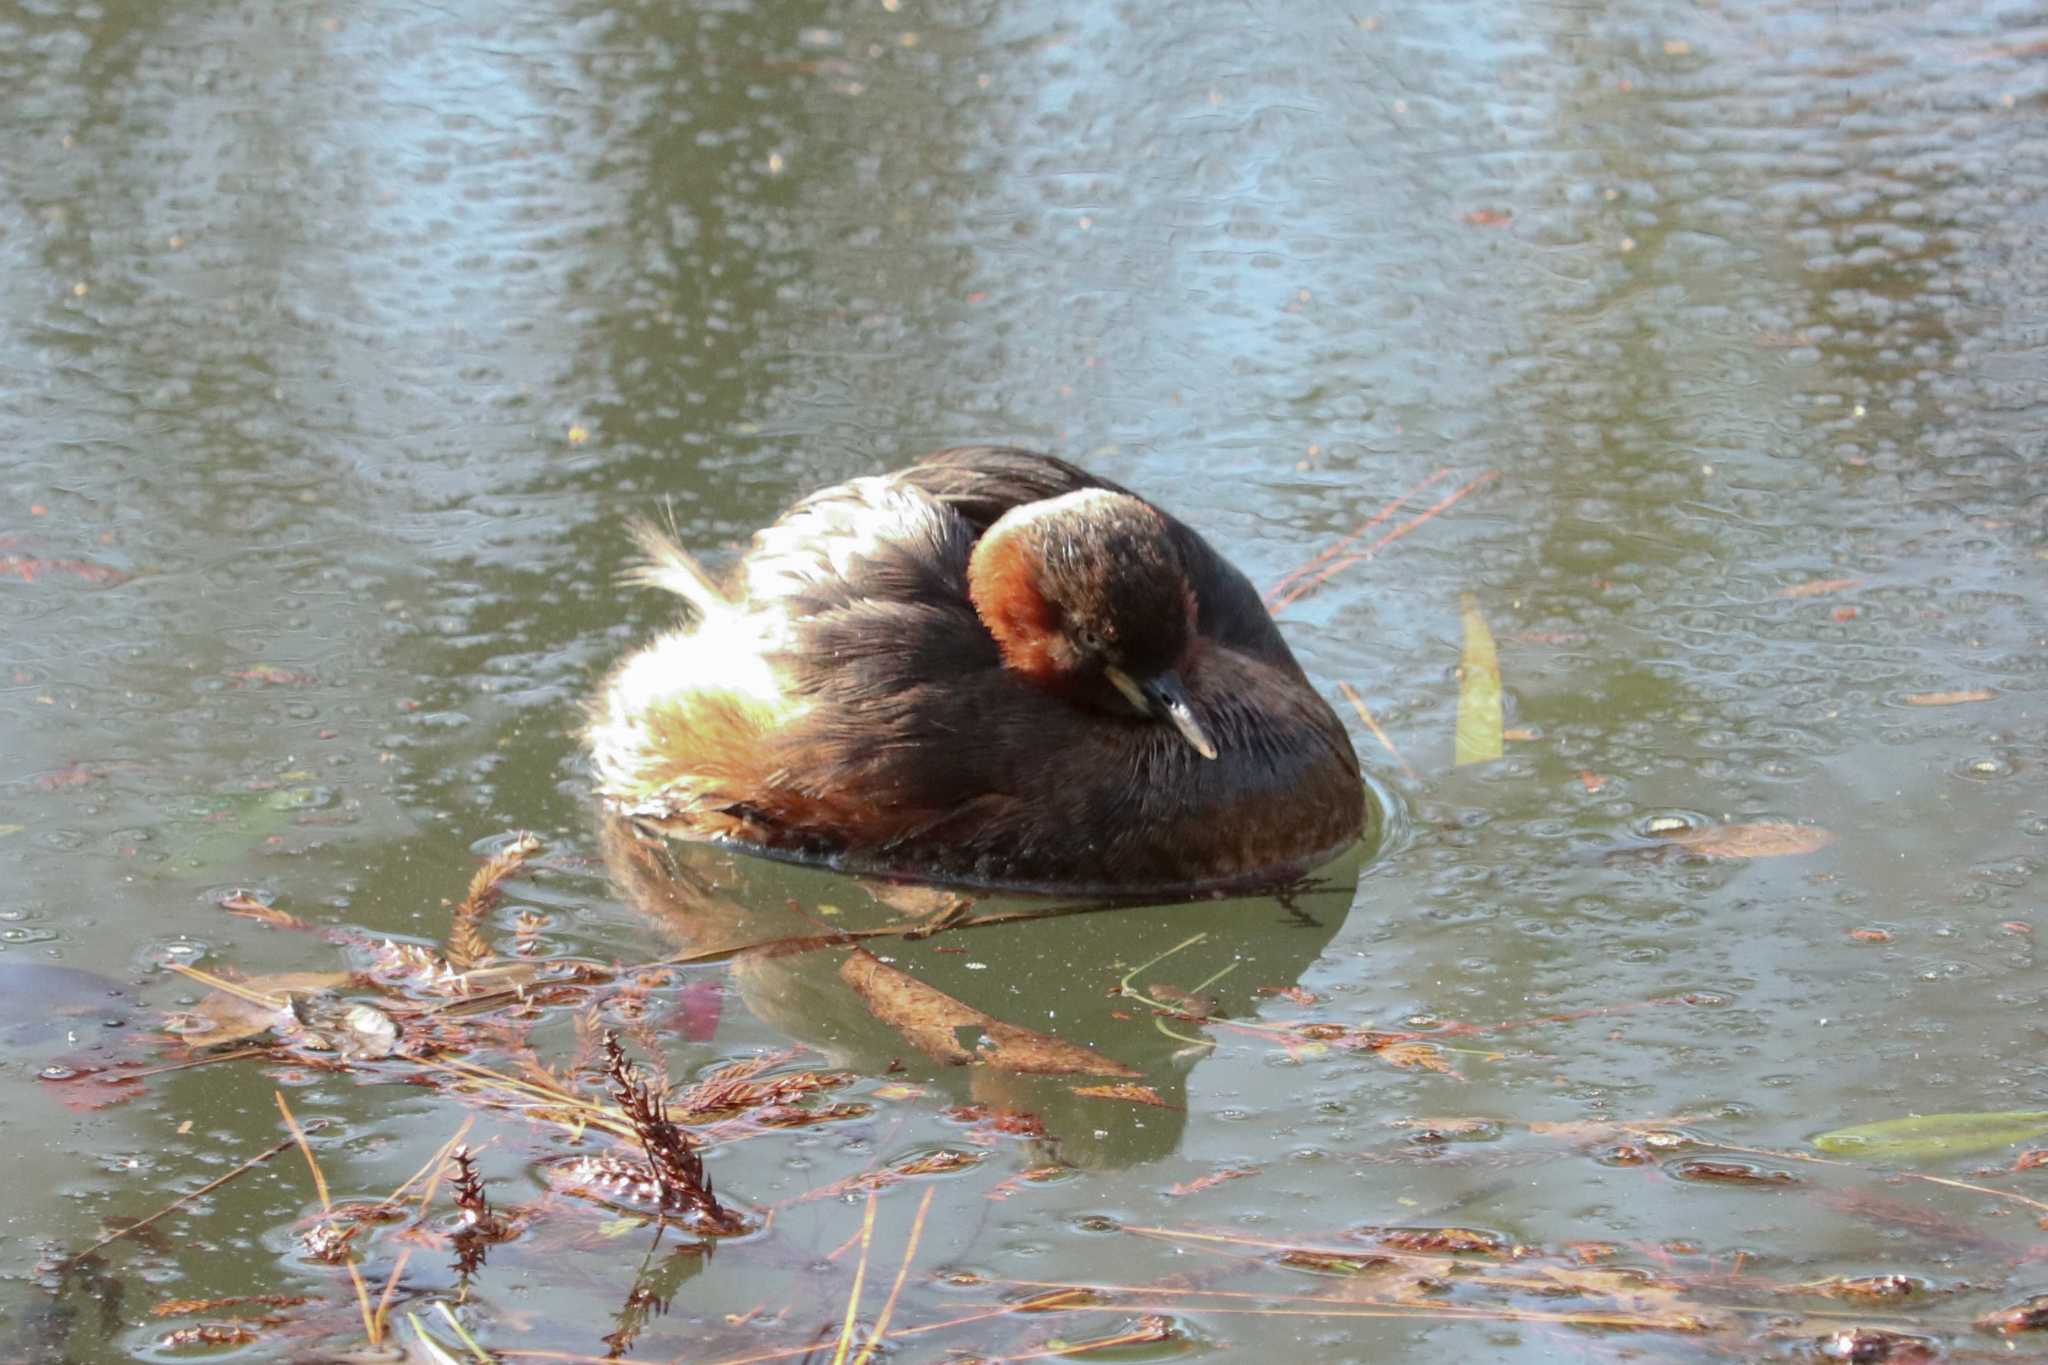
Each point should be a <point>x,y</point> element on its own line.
<point>988,668</point>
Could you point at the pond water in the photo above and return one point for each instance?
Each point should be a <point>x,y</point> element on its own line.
<point>338,341</point>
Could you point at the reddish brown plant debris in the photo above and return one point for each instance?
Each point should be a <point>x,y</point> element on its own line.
<point>29,568</point>
<point>1037,1175</point>
<point>243,904</point>
<point>1819,587</point>
<point>1873,1346</point>
<point>1418,1056</point>
<point>271,675</point>
<point>996,1120</point>
<point>1439,1240</point>
<point>2028,1315</point>
<point>1731,1173</point>
<point>70,775</point>
<point>211,1334</point>
<point>795,1116</point>
<point>1333,1262</point>
<point>1134,1094</point>
<point>1211,1180</point>
<point>1300,995</point>
<point>1864,1288</point>
<point>185,1308</point>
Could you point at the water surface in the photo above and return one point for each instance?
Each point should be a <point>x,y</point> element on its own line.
<point>336,343</point>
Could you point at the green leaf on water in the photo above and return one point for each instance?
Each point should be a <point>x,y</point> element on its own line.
<point>6,830</point>
<point>1479,714</point>
<point>1923,1136</point>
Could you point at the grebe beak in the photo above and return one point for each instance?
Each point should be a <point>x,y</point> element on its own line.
<point>1163,695</point>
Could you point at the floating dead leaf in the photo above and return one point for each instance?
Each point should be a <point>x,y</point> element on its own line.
<point>934,1023</point>
<point>1300,995</point>
<point>991,1121</point>
<point>1763,839</point>
<point>1731,1173</point>
<point>243,904</point>
<point>1479,708</point>
<point>1211,1180</point>
<point>210,1334</point>
<point>1188,1003</point>
<point>1449,1129</point>
<point>271,675</point>
<point>1875,1346</point>
<point>1134,1094</point>
<point>2028,1315</point>
<point>1334,1262</point>
<point>82,1089</point>
<point>2032,1159</point>
<point>938,1163</point>
<point>1439,1241</point>
<point>1591,780</point>
<point>185,1308</point>
<point>1037,1175</point>
<point>1819,587</point>
<point>1487,217</point>
<point>1417,1056</point>
<point>29,569</point>
<point>899,1092</point>
<point>1864,1288</point>
<point>70,775</point>
<point>239,1010</point>
<point>350,1028</point>
<point>1960,697</point>
<point>796,1116</point>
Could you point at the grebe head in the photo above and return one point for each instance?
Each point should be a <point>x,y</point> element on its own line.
<point>1087,596</point>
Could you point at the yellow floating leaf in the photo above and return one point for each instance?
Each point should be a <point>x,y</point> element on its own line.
<point>1479,713</point>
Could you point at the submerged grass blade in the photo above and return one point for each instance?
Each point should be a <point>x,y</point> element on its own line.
<point>1921,1137</point>
<point>1479,709</point>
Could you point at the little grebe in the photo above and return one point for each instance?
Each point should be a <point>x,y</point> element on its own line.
<point>989,668</point>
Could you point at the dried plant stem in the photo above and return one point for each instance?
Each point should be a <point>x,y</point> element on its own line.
<point>1338,546</point>
<point>671,1156</point>
<point>373,1322</point>
<point>184,1199</point>
<point>902,1273</point>
<point>1358,705</point>
<point>1303,586</point>
<point>860,1275</point>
